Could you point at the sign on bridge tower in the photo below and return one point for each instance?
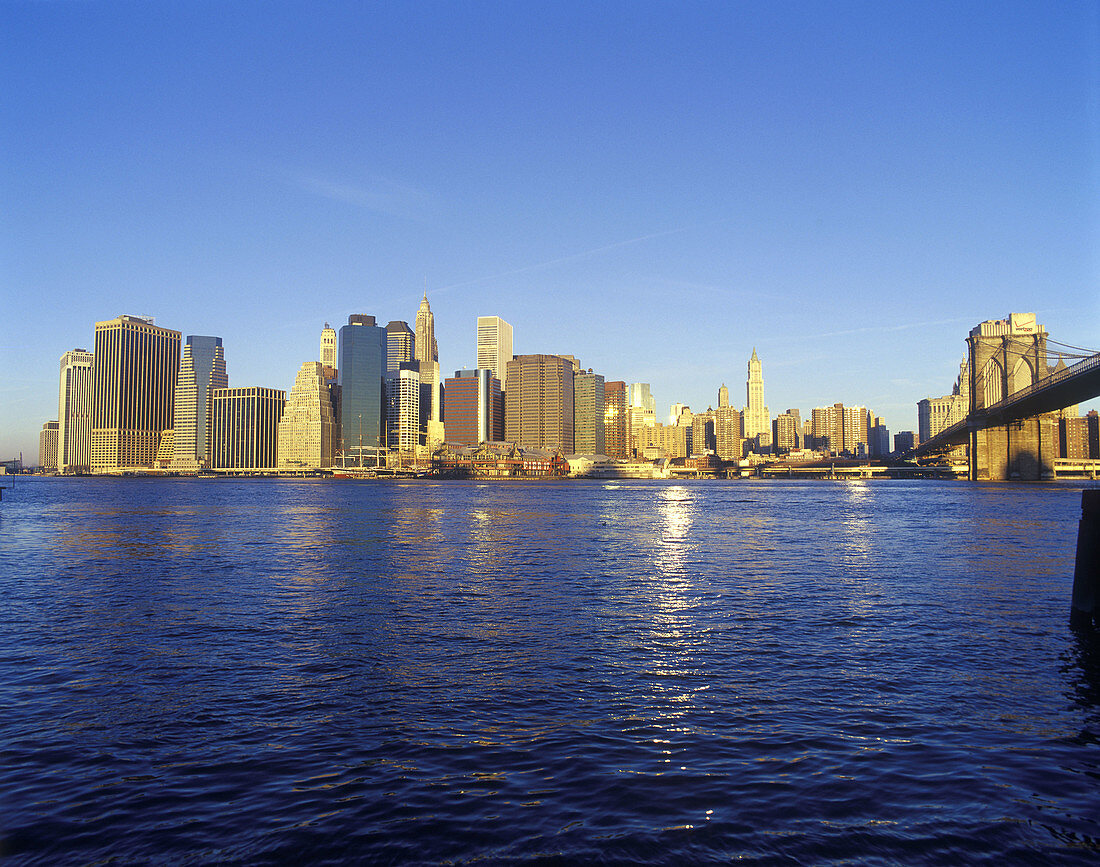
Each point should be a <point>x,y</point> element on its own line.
<point>1006,355</point>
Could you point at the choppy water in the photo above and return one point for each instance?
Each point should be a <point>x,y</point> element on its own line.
<point>259,671</point>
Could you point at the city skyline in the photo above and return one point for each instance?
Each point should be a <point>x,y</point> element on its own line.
<point>655,193</point>
<point>754,387</point>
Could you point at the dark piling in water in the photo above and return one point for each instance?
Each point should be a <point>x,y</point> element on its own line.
<point>1086,572</point>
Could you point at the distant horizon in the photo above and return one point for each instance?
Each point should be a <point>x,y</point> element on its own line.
<point>654,189</point>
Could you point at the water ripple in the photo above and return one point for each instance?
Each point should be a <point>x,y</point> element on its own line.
<point>269,671</point>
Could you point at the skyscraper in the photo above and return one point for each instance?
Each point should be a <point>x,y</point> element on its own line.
<point>785,429</point>
<point>47,446</point>
<point>473,412</point>
<point>723,395</point>
<point>823,431</point>
<point>494,346</point>
<point>936,413</point>
<point>878,438</point>
<point>425,348</point>
<point>905,440</point>
<point>615,420</point>
<point>244,424</point>
<point>757,420</point>
<point>202,368</point>
<point>74,412</point>
<point>306,430</point>
<point>433,392</point>
<point>728,439</point>
<point>642,410</point>
<point>403,409</point>
<point>134,395</point>
<point>399,344</point>
<point>328,347</point>
<point>427,353</point>
<point>363,350</point>
<point>538,404</point>
<point>702,433</point>
<point>841,429</point>
<point>589,400</point>
<point>685,418</point>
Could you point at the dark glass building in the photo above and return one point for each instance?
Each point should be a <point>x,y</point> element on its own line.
<point>363,350</point>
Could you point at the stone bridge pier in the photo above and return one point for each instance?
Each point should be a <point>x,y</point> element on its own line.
<point>1006,355</point>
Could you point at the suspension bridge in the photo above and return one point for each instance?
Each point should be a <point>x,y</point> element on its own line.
<point>1012,391</point>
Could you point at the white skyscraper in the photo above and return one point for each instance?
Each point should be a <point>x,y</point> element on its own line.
<point>756,417</point>
<point>424,345</point>
<point>74,412</point>
<point>328,346</point>
<point>403,388</point>
<point>494,346</point>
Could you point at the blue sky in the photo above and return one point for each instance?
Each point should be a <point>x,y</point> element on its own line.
<point>654,188</point>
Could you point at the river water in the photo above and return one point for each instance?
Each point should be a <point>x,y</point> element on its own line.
<point>274,671</point>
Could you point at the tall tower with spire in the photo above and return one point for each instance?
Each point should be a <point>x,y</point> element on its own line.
<point>427,353</point>
<point>424,344</point>
<point>328,346</point>
<point>757,420</point>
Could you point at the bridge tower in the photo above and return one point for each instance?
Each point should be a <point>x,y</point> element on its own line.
<point>1006,355</point>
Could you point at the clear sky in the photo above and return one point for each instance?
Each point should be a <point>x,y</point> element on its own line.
<point>655,188</point>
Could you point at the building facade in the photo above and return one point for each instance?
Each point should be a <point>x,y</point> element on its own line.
<point>74,412</point>
<point>473,411</point>
<point>671,440</point>
<point>363,359</point>
<point>538,403</point>
<point>785,432</point>
<point>757,419</point>
<point>403,410</point>
<point>642,413</point>
<point>905,441</point>
<point>47,446</point>
<point>244,427</point>
<point>307,430</point>
<point>328,347</point>
<point>202,368</point>
<point>400,344</point>
<point>615,421</point>
<point>1073,437</point>
<point>133,401</point>
<point>702,433</point>
<point>425,348</point>
<point>935,414</point>
<point>494,347</point>
<point>878,437</point>
<point>589,405</point>
<point>728,439</point>
<point>433,392</point>
<point>841,429</point>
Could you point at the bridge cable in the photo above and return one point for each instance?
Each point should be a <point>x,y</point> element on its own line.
<point>1071,346</point>
<point>1047,355</point>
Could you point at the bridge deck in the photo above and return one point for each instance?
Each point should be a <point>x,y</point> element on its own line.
<point>1068,386</point>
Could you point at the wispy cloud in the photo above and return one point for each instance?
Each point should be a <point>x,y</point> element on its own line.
<point>378,194</point>
<point>886,329</point>
<point>573,257</point>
